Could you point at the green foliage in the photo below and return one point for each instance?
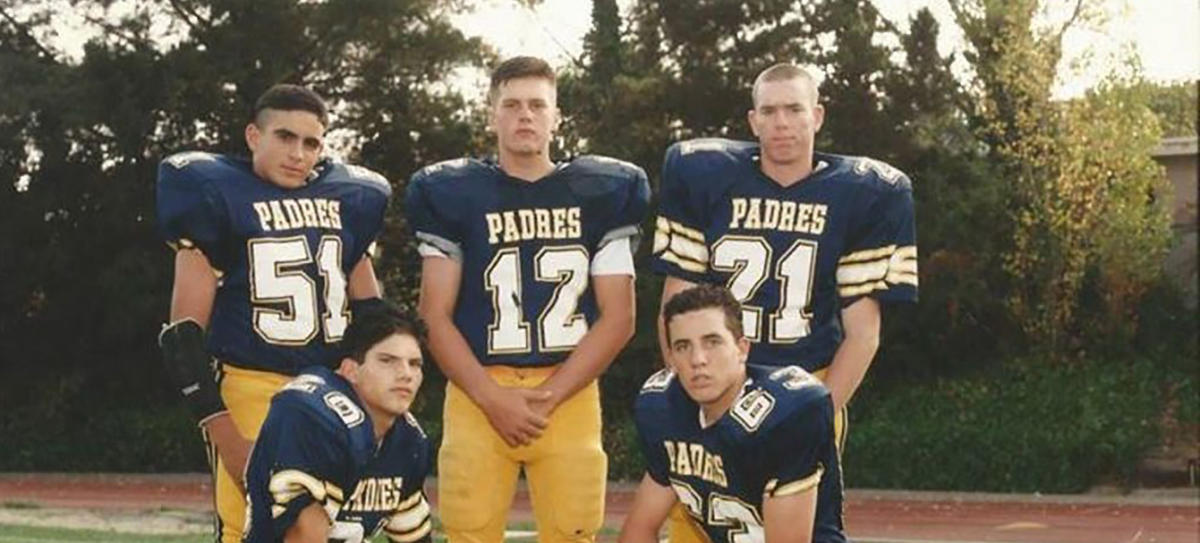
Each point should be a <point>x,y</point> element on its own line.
<point>1029,426</point>
<point>86,278</point>
<point>1175,105</point>
<point>1079,178</point>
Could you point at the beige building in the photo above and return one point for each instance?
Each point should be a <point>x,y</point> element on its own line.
<point>1179,157</point>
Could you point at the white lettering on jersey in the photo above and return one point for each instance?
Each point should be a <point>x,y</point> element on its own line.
<point>780,215</point>
<point>293,213</point>
<point>181,160</point>
<point>527,224</point>
<point>305,382</point>
<point>793,377</point>
<point>659,381</point>
<point>693,460</point>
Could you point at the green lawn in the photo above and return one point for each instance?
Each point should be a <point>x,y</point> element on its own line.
<point>28,534</point>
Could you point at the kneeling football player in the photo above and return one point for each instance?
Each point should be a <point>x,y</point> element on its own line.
<point>339,457</point>
<point>747,450</point>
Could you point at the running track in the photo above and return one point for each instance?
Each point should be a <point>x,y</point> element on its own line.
<point>871,516</point>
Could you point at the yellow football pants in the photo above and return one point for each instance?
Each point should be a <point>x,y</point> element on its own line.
<point>247,394</point>
<point>565,467</point>
<point>681,528</point>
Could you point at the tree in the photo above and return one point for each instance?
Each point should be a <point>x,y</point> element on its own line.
<point>1080,175</point>
<point>86,279</point>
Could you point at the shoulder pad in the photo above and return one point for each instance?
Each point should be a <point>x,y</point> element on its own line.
<point>708,156</point>
<point>715,147</point>
<point>340,172</point>
<point>877,171</point>
<point>752,409</point>
<point>659,381</point>
<point>350,413</point>
<point>449,169</point>
<point>793,378</point>
<point>182,160</point>
<point>305,383</point>
<point>603,165</point>
<point>712,145</point>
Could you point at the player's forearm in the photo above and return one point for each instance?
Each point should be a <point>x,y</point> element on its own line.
<point>651,505</point>
<point>790,519</point>
<point>454,357</point>
<point>592,355</point>
<point>195,287</point>
<point>362,283</point>
<point>849,365</point>
<point>311,526</point>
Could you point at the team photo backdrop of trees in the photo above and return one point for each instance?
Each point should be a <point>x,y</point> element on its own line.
<point>1049,351</point>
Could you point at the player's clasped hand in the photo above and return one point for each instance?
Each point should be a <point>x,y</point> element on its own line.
<point>511,412</point>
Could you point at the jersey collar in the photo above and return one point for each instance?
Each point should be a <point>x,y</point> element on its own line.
<point>820,166</point>
<point>704,424</point>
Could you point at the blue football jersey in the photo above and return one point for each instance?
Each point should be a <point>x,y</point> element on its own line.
<point>317,446</point>
<point>794,256</point>
<point>284,255</point>
<point>526,248</point>
<point>776,440</point>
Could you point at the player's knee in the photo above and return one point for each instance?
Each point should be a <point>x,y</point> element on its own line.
<point>475,488</point>
<point>577,497</point>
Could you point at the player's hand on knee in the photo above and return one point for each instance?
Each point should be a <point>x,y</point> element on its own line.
<point>510,413</point>
<point>233,449</point>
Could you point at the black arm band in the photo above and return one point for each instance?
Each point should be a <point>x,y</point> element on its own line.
<point>366,305</point>
<point>190,368</point>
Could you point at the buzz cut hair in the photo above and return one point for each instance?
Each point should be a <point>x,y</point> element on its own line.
<point>287,97</point>
<point>520,68</point>
<point>705,296</point>
<point>784,71</point>
<point>371,326</point>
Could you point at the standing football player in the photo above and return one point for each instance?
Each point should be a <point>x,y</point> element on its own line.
<point>339,457</point>
<point>748,451</point>
<point>271,254</point>
<point>810,243</point>
<point>527,289</point>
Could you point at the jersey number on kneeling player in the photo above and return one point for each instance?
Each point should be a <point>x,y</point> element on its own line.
<point>748,259</point>
<point>560,327</point>
<point>743,522</point>
<point>275,279</point>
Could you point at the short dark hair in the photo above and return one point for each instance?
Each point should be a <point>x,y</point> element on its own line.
<point>518,68</point>
<point>285,97</point>
<point>374,324</point>
<point>705,296</point>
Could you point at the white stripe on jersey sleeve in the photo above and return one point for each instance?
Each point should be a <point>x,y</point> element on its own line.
<point>615,258</point>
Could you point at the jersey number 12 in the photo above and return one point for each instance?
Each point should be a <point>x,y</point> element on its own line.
<point>560,327</point>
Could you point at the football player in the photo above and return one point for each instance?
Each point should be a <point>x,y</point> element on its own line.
<point>339,456</point>
<point>527,288</point>
<point>748,451</point>
<point>271,254</point>
<point>810,243</point>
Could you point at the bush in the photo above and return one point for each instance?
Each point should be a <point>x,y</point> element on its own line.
<point>1027,426</point>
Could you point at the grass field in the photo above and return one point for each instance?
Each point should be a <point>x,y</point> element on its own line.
<point>30,534</point>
